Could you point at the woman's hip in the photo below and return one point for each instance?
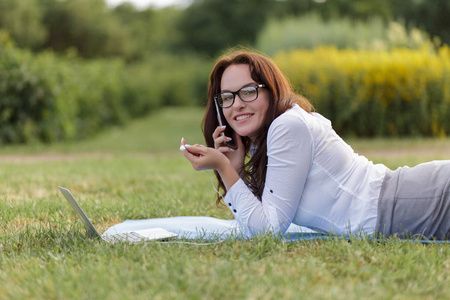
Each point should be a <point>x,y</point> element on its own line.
<point>416,201</point>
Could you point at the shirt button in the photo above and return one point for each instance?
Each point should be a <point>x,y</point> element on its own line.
<point>235,210</point>
<point>271,191</point>
<point>229,204</point>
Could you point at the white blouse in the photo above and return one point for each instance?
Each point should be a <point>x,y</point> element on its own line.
<point>314,179</point>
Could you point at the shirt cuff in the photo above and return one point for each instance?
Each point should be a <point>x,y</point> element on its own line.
<point>238,188</point>
<point>241,202</point>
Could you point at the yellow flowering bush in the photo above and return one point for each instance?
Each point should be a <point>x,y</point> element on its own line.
<point>394,92</point>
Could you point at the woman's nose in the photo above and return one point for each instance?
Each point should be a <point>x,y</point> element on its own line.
<point>238,103</point>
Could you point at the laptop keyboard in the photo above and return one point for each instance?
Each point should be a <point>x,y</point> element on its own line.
<point>131,237</point>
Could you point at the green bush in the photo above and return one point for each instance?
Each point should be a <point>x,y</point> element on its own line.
<point>47,98</point>
<point>310,31</point>
<point>168,80</point>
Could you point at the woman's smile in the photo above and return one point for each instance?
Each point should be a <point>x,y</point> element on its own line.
<point>242,117</point>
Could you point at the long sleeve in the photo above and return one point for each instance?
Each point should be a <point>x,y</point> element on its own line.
<point>290,153</point>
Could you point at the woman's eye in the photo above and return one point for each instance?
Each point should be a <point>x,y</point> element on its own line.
<point>227,97</point>
<point>248,92</point>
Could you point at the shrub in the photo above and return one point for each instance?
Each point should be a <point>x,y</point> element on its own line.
<point>310,31</point>
<point>169,80</point>
<point>372,93</point>
<point>47,98</point>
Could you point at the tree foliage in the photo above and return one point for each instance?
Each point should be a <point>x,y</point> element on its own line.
<point>94,30</point>
<point>23,20</point>
<point>431,16</point>
<point>85,25</point>
<point>209,26</point>
<point>149,31</point>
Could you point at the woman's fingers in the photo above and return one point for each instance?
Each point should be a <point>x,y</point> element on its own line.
<point>198,157</point>
<point>218,142</point>
<point>218,131</point>
<point>225,149</point>
<point>219,138</point>
<point>195,150</point>
<point>193,153</point>
<point>203,158</point>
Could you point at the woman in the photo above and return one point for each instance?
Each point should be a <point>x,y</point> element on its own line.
<point>299,170</point>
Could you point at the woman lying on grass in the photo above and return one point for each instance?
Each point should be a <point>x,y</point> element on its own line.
<point>299,170</point>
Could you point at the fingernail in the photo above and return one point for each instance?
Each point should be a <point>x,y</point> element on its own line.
<point>182,140</point>
<point>229,139</point>
<point>223,126</point>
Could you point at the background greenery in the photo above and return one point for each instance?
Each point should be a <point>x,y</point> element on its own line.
<point>97,98</point>
<point>71,68</point>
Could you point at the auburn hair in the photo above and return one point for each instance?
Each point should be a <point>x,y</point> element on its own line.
<point>281,98</point>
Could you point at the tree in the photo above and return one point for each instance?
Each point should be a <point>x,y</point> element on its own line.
<point>209,26</point>
<point>85,25</point>
<point>432,16</point>
<point>148,31</point>
<point>23,20</point>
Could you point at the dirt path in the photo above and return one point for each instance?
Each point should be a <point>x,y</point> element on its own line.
<point>392,152</point>
<point>406,152</point>
<point>42,157</point>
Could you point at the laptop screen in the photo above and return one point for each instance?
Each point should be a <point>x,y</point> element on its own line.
<point>76,207</point>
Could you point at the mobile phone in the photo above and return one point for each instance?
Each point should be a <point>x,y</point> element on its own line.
<point>228,131</point>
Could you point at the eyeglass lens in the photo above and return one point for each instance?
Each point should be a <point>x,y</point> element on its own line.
<point>248,93</point>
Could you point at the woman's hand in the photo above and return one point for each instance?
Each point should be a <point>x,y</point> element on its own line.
<point>205,158</point>
<point>236,156</point>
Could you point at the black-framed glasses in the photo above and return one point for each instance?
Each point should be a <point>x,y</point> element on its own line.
<point>247,94</point>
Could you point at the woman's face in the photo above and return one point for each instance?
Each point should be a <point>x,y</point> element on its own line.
<point>246,118</point>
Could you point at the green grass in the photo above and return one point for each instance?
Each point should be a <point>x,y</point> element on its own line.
<point>137,172</point>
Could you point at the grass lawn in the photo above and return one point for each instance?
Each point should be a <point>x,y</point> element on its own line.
<point>137,172</point>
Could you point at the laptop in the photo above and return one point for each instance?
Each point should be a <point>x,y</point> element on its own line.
<point>136,236</point>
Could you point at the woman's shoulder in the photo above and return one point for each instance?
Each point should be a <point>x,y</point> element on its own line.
<point>290,132</point>
<point>294,119</point>
<point>297,120</point>
<point>295,116</point>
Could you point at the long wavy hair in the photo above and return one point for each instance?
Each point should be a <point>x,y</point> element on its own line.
<point>281,98</point>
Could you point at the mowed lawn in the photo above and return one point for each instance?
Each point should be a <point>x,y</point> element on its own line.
<point>137,172</point>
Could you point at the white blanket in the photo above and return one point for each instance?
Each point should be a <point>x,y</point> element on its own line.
<point>195,227</point>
